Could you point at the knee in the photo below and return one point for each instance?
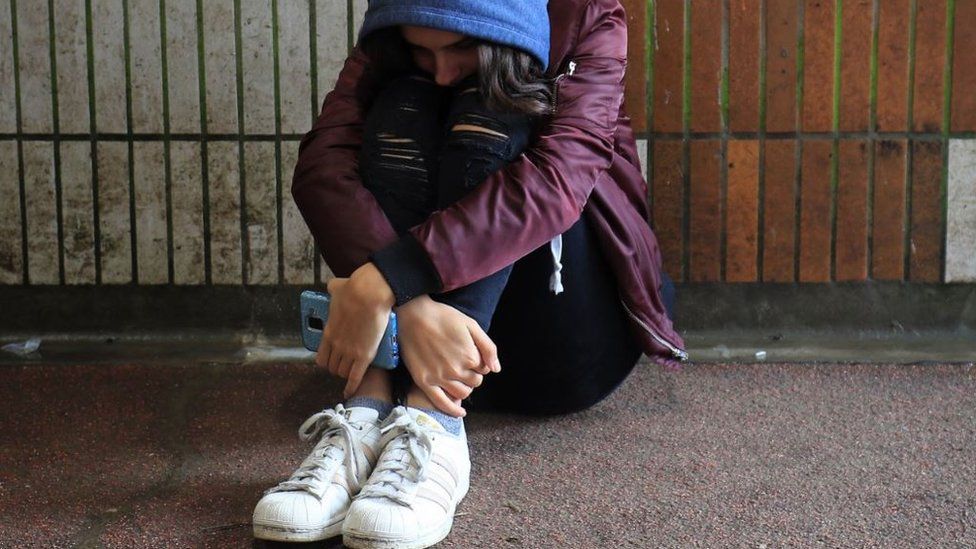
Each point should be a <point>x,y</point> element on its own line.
<point>406,107</point>
<point>469,117</point>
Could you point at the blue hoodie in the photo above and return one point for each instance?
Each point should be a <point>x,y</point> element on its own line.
<point>523,24</point>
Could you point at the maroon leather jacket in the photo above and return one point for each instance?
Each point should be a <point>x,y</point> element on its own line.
<point>583,161</point>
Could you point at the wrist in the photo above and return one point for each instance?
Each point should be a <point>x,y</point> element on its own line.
<point>416,304</point>
<point>372,288</point>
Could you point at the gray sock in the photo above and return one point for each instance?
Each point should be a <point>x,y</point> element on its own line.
<point>383,408</point>
<point>450,424</point>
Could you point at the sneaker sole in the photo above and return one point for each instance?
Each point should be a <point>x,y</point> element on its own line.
<point>274,532</point>
<point>363,540</point>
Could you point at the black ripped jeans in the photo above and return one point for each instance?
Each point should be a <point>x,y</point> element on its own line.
<point>425,147</point>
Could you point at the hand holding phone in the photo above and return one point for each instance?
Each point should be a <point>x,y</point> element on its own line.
<point>315,314</point>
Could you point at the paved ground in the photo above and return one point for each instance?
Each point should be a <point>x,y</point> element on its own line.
<point>768,455</point>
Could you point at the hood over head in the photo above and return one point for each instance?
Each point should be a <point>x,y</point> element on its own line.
<point>522,24</point>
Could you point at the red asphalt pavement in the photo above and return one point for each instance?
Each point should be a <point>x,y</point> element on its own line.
<point>715,455</point>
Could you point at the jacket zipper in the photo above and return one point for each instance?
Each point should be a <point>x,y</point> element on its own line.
<point>675,352</point>
<point>555,84</point>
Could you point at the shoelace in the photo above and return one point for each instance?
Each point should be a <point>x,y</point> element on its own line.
<point>317,470</point>
<point>410,441</point>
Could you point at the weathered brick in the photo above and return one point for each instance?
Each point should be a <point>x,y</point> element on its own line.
<point>929,64</point>
<point>925,253</point>
<point>779,213</point>
<point>181,65</point>
<point>225,211</point>
<point>705,237</point>
<point>295,82</point>
<point>145,64</point>
<point>261,216</point>
<point>855,65</point>
<point>668,206</point>
<point>668,65</point>
<point>635,89</point>
<point>11,227</point>
<point>706,65</point>
<point>299,248</point>
<point>221,66</point>
<point>893,32</point>
<point>851,248</point>
<point>781,36</point>
<point>8,92</point>
<point>71,53</point>
<point>888,231</point>
<point>744,24</point>
<point>818,65</point>
<point>742,212</point>
<point>815,229</point>
<point>964,68</point>
<point>78,212</point>
<point>35,66</point>
<point>150,199</point>
<point>257,65</point>
<point>114,219</point>
<point>187,198</point>
<point>109,63</point>
<point>331,43</point>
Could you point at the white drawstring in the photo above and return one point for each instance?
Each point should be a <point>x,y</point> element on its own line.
<point>556,280</point>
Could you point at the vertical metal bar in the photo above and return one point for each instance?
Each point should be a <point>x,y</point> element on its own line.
<point>910,152</point>
<point>204,157</point>
<point>167,158</point>
<point>835,129</point>
<point>93,129</point>
<point>242,209</point>
<point>946,126</point>
<point>350,28</point>
<point>314,75</point>
<point>798,149</point>
<point>761,194</point>
<point>133,228</point>
<point>872,128</point>
<point>57,140</point>
<point>686,140</point>
<point>20,145</point>
<point>724,117</point>
<point>277,141</point>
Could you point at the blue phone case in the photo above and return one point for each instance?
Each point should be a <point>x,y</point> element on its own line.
<point>315,313</point>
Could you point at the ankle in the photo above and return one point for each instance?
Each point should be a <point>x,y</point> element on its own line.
<point>418,399</point>
<point>376,385</point>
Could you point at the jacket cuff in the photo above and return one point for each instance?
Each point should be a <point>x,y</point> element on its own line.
<point>407,269</point>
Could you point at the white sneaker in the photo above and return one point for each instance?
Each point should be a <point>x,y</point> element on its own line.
<point>311,504</point>
<point>409,500</point>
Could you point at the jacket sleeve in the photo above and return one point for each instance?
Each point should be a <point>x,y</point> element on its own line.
<point>542,193</point>
<point>343,216</point>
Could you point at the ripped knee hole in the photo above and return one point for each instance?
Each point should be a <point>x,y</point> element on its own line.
<point>479,129</point>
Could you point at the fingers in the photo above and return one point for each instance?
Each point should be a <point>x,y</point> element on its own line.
<point>457,390</point>
<point>322,356</point>
<point>471,379</point>
<point>333,361</point>
<point>356,374</point>
<point>487,348</point>
<point>441,401</point>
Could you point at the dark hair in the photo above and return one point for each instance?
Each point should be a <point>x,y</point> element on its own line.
<point>510,79</point>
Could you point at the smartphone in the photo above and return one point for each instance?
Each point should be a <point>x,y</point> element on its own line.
<point>315,313</point>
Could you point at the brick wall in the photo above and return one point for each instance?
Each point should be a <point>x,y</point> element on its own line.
<point>151,142</point>
<point>813,140</point>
